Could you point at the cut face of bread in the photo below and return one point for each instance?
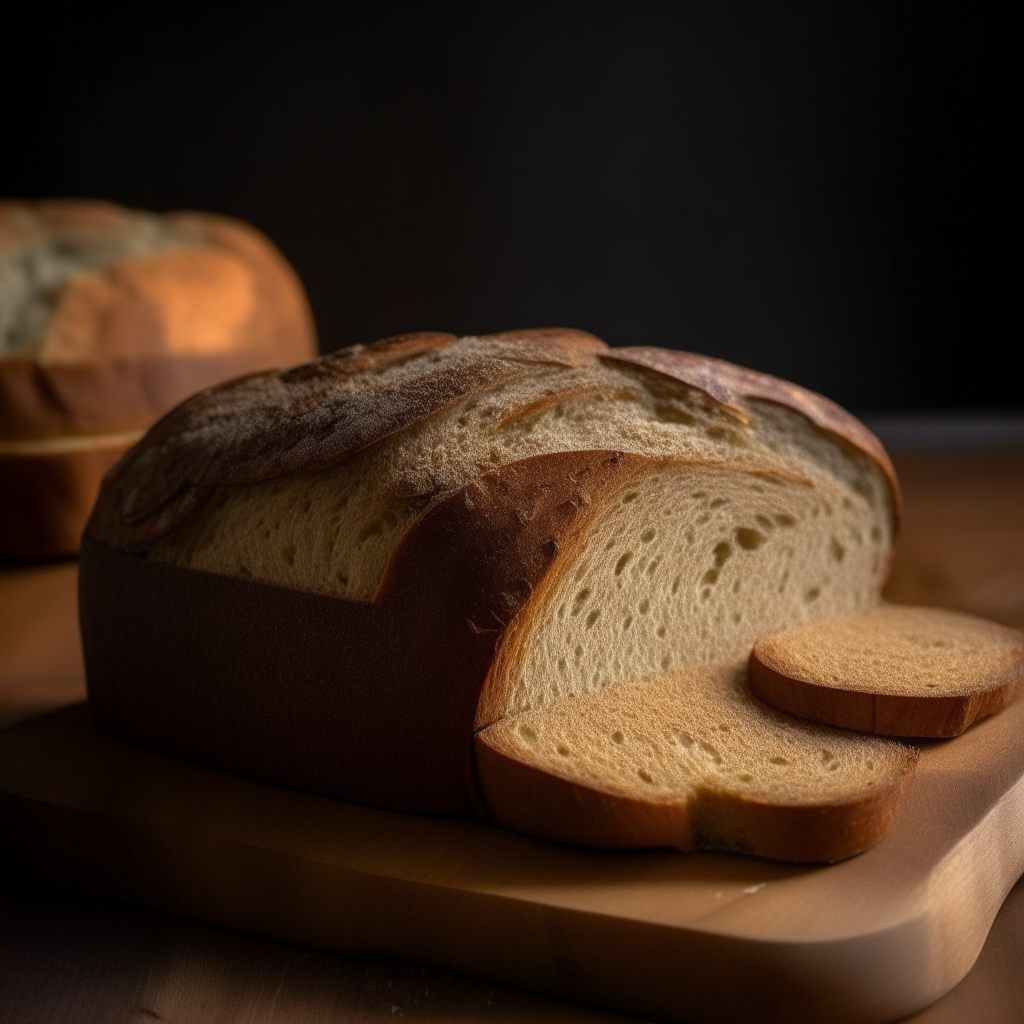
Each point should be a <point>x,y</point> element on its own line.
<point>687,565</point>
<point>332,532</point>
<point>690,761</point>
<point>892,670</point>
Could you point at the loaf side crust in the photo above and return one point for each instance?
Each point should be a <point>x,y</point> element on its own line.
<point>48,498</point>
<point>293,688</point>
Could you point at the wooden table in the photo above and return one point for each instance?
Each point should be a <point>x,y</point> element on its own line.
<point>69,957</point>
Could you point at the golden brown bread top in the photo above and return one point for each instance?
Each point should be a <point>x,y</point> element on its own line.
<point>96,301</point>
<point>320,414</point>
<point>726,383</point>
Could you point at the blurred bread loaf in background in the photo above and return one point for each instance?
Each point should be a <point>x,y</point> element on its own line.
<point>108,318</point>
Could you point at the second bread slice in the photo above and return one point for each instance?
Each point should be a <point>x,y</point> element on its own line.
<point>691,761</point>
<point>892,670</point>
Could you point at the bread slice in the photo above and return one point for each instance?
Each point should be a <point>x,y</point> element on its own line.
<point>892,670</point>
<point>692,762</point>
<point>449,533</point>
<point>108,318</point>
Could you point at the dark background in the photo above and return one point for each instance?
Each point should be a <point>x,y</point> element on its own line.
<point>826,191</point>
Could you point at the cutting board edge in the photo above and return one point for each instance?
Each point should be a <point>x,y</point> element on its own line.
<point>889,948</point>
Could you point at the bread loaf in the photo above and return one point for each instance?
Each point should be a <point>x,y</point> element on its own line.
<point>343,576</point>
<point>892,670</point>
<point>108,318</point>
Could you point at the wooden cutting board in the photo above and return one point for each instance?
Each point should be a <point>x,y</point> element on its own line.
<point>699,937</point>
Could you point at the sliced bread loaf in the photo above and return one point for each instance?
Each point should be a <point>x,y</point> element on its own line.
<point>334,577</point>
<point>892,670</point>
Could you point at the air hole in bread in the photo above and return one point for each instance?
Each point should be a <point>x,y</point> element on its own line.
<point>711,752</point>
<point>748,539</point>
<point>528,734</point>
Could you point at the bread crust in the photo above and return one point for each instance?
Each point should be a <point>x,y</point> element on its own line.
<point>127,342</point>
<point>880,713</point>
<point>726,382</point>
<point>296,421</point>
<point>303,420</point>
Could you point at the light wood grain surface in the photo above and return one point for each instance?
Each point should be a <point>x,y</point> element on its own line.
<point>67,957</point>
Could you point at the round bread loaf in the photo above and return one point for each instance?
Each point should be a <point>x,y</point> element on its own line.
<point>108,318</point>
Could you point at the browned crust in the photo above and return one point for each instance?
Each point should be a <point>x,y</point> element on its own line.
<point>370,702</point>
<point>727,383</point>
<point>527,799</point>
<point>48,498</point>
<point>121,372</point>
<point>884,714</point>
<point>306,419</point>
<point>299,420</point>
<point>571,339</point>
